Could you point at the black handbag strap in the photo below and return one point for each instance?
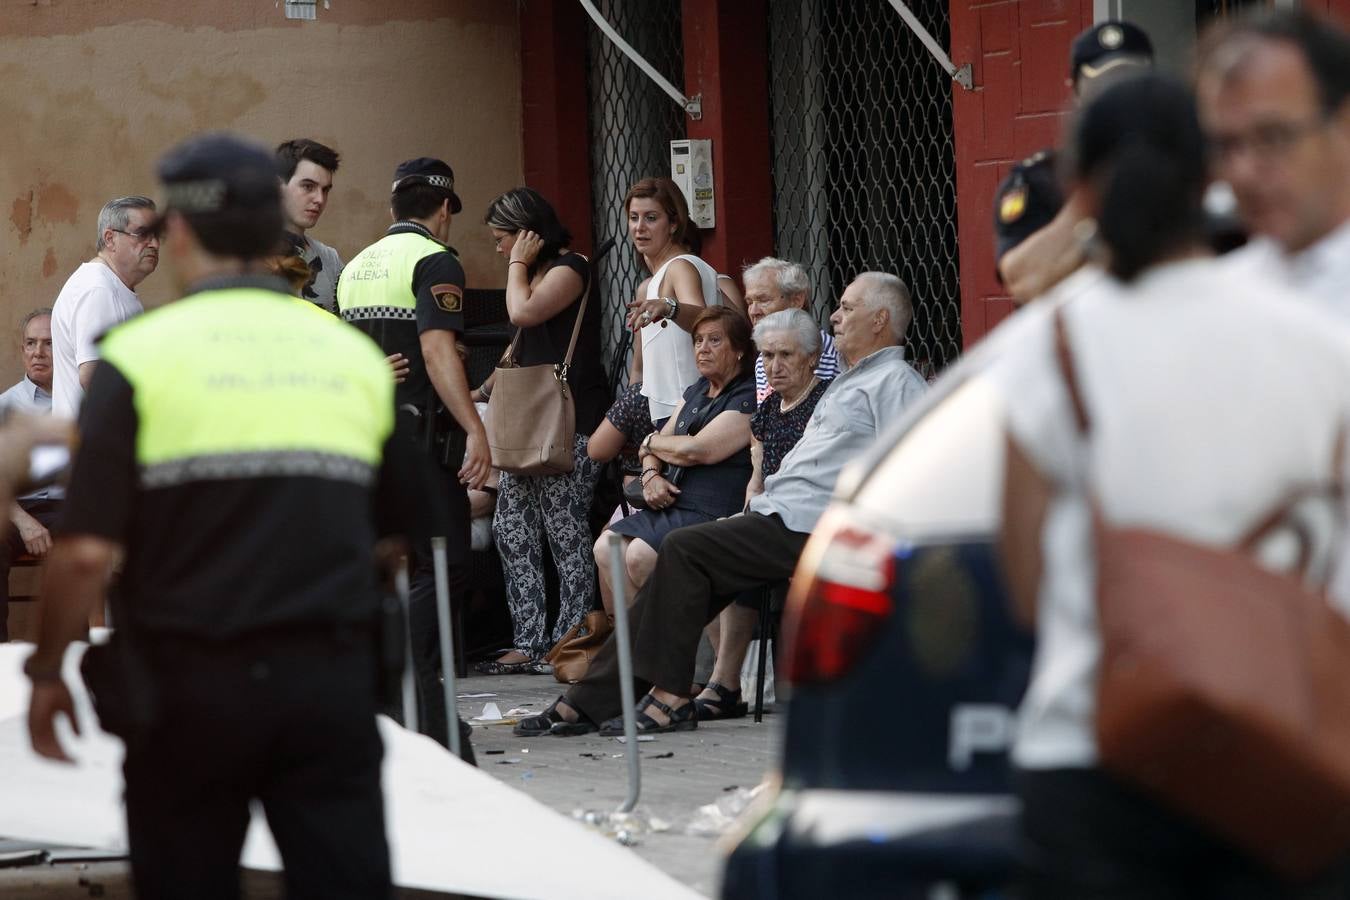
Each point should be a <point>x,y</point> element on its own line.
<point>1278,517</point>
<point>510,356</point>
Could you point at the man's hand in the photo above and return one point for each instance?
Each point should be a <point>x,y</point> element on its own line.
<point>477,461</point>
<point>37,540</point>
<point>398,363</point>
<point>50,698</point>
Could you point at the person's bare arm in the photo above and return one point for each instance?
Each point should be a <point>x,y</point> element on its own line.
<point>528,305</point>
<point>446,371</point>
<point>731,294</point>
<point>682,283</point>
<point>606,442</point>
<point>755,486</point>
<point>87,373</point>
<point>74,584</point>
<point>1026,498</point>
<point>1046,257</point>
<point>726,434</point>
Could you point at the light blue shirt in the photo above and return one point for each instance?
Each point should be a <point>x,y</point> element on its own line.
<point>26,397</point>
<point>854,409</point>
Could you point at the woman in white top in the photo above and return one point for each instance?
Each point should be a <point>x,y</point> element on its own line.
<point>1211,399</point>
<point>680,287</point>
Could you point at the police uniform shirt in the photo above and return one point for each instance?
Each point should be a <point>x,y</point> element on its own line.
<point>394,313</point>
<point>239,447</point>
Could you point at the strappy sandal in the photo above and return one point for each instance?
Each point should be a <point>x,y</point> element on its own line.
<point>728,704</point>
<point>683,719</point>
<point>550,721</point>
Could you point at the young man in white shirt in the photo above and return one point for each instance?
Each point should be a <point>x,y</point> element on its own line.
<point>100,294</point>
<point>306,169</point>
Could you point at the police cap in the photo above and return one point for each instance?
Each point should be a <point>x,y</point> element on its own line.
<point>1107,46</point>
<point>219,172</point>
<point>1026,201</point>
<point>426,170</point>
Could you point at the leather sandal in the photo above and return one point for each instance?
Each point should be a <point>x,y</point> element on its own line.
<point>550,721</point>
<point>728,704</point>
<point>683,719</point>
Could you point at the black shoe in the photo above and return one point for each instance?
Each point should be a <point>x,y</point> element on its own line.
<point>728,704</point>
<point>685,718</point>
<point>550,721</point>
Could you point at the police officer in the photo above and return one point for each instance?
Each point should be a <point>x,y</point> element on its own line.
<point>407,292</point>
<point>1038,235</point>
<point>234,445</point>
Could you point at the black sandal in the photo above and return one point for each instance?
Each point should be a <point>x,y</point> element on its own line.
<point>728,704</point>
<point>550,721</point>
<point>683,719</point>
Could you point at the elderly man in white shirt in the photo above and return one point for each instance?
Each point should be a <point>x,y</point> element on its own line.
<point>34,513</point>
<point>1274,99</point>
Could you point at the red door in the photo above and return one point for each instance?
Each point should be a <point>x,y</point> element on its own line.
<point>1019,53</point>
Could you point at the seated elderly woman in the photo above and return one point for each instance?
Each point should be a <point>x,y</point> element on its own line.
<point>789,344</point>
<point>696,468</point>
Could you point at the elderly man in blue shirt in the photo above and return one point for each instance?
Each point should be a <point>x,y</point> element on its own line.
<point>702,567</point>
<point>32,514</point>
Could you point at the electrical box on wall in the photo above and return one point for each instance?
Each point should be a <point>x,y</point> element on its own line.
<point>691,168</point>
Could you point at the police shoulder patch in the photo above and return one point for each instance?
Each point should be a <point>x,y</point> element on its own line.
<point>1013,205</point>
<point>449,298</point>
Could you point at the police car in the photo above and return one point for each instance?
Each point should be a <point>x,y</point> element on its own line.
<point>905,669</point>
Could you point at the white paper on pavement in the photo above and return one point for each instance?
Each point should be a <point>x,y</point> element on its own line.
<point>451,827</point>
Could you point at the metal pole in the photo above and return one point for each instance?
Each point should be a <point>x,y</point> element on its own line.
<point>447,644</point>
<point>618,578</point>
<point>409,682</point>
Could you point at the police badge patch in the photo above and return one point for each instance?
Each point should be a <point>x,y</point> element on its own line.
<point>448,297</point>
<point>1012,206</point>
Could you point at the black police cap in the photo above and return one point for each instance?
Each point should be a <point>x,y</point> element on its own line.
<point>1026,201</point>
<point>1106,46</point>
<point>426,170</point>
<point>219,172</point>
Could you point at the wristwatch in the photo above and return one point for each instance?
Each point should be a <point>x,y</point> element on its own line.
<point>672,307</point>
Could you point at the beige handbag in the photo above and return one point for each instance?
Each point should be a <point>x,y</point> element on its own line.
<point>533,422</point>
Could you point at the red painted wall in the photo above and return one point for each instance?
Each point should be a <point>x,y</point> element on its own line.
<point>725,48</point>
<point>1019,52</point>
<point>555,134</point>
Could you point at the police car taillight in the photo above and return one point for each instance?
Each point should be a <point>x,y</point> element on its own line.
<point>840,595</point>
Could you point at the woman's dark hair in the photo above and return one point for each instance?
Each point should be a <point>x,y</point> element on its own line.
<point>1139,143</point>
<point>524,209</point>
<point>667,193</point>
<point>737,329</point>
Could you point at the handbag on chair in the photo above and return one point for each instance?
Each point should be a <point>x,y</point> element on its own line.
<point>533,421</point>
<point>1224,687</point>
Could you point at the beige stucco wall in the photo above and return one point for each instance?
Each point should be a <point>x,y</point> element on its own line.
<point>91,92</point>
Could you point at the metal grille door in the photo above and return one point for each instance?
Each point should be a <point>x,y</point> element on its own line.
<point>863,158</point>
<point>632,125</point>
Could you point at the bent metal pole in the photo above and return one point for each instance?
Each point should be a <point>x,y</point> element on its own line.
<point>618,578</point>
<point>447,643</point>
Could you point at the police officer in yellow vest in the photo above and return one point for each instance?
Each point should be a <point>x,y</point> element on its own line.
<point>234,448</point>
<point>407,292</point>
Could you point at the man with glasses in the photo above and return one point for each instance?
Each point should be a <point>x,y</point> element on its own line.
<point>1274,94</point>
<point>100,294</point>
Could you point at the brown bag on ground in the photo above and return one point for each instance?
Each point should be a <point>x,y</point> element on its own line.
<point>532,423</point>
<point>1224,688</point>
<point>572,655</point>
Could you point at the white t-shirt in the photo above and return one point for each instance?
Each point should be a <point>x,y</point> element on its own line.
<point>93,300</point>
<point>1212,396</point>
<point>668,350</point>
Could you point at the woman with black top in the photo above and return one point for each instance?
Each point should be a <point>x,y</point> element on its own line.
<point>545,284</point>
<point>696,467</point>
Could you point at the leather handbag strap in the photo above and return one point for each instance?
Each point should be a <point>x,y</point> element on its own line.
<point>1279,517</point>
<point>510,355</point>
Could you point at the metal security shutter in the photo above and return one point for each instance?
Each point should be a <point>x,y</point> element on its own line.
<point>863,158</point>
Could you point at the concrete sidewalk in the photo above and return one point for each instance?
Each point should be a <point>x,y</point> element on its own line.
<point>681,772</point>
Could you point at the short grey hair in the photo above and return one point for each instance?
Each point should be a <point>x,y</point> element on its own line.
<point>882,290</point>
<point>115,214</point>
<point>35,314</point>
<point>797,322</point>
<point>790,277</point>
